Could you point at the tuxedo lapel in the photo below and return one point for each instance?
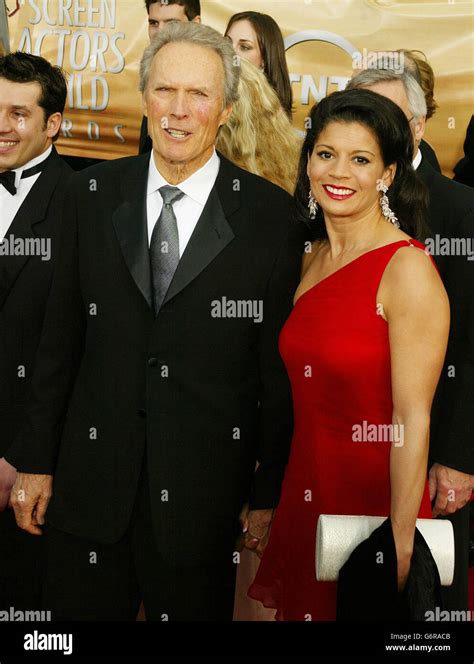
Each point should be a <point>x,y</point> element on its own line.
<point>130,223</point>
<point>32,211</point>
<point>212,233</point>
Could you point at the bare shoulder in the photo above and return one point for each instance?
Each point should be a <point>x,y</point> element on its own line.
<point>411,280</point>
<point>411,264</point>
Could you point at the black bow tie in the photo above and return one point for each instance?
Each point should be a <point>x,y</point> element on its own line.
<point>7,178</point>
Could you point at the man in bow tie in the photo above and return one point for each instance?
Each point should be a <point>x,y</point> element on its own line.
<point>32,185</point>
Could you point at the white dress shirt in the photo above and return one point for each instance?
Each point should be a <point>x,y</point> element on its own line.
<point>187,209</point>
<point>417,160</point>
<point>9,205</point>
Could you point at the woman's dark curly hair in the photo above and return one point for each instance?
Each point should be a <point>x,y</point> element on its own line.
<point>407,194</point>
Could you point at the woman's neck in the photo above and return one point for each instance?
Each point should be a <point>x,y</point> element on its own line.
<point>348,235</point>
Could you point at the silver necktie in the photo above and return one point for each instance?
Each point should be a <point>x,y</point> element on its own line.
<point>164,246</point>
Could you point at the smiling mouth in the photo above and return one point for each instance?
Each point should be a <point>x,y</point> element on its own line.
<point>338,193</point>
<point>178,133</point>
<point>7,145</point>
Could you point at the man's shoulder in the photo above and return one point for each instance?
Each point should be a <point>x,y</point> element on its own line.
<point>265,209</point>
<point>228,167</point>
<point>52,181</point>
<point>64,167</point>
<point>452,193</point>
<point>454,188</point>
<point>115,169</point>
<point>252,186</point>
<point>57,167</point>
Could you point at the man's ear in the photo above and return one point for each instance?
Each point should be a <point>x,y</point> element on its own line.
<point>225,115</point>
<point>144,105</point>
<point>419,125</point>
<point>196,19</point>
<point>53,124</point>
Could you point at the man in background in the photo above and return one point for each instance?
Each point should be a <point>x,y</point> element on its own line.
<point>451,216</point>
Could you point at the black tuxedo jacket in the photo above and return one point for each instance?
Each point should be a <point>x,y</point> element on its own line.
<point>203,396</point>
<point>428,154</point>
<point>451,215</point>
<point>464,169</point>
<point>24,286</point>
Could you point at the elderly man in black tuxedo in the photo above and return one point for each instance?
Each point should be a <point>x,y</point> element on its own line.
<point>159,384</point>
<point>32,186</point>
<point>451,222</point>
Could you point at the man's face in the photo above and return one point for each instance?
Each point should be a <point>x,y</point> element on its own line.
<point>23,134</point>
<point>395,90</point>
<point>184,103</point>
<point>162,14</point>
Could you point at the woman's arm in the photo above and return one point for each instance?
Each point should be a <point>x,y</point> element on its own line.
<point>416,308</point>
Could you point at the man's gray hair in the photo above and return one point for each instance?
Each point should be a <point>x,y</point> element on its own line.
<point>415,95</point>
<point>203,35</point>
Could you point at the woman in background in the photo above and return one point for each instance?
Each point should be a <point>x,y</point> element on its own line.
<point>258,136</point>
<point>257,38</point>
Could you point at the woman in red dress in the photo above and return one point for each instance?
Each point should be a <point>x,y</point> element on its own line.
<point>363,346</point>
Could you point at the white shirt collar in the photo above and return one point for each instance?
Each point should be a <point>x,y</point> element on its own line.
<point>33,162</point>
<point>417,160</point>
<point>197,186</point>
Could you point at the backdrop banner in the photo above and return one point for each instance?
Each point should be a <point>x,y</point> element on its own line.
<point>100,42</point>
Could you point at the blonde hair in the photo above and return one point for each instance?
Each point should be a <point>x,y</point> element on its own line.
<point>258,136</point>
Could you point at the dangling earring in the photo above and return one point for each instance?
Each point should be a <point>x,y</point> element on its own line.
<point>384,204</point>
<point>313,206</point>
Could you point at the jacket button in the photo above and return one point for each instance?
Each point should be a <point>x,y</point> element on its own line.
<point>142,413</point>
<point>152,362</point>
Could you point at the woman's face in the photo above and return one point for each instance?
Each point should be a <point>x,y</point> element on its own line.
<point>245,42</point>
<point>344,168</point>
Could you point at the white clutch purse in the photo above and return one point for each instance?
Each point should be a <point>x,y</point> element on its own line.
<point>338,535</point>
